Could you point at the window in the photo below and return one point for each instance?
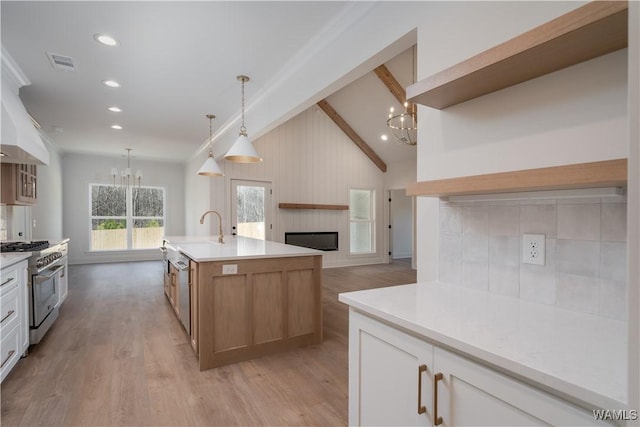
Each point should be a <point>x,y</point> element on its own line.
<point>126,218</point>
<point>362,221</point>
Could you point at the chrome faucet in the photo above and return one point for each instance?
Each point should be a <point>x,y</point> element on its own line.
<point>221,235</point>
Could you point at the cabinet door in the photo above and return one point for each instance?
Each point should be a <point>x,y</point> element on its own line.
<point>26,181</point>
<point>471,394</point>
<point>386,369</point>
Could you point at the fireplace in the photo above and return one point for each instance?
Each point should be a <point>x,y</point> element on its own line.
<point>321,240</point>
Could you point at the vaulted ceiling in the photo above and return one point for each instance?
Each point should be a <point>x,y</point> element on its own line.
<point>176,62</point>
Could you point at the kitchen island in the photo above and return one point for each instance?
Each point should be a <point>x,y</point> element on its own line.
<point>249,297</point>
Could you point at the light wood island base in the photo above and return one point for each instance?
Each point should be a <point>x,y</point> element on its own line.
<point>269,305</point>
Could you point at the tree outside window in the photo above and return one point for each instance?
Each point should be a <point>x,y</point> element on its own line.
<point>126,218</point>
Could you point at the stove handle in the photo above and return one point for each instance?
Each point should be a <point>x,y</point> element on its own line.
<point>52,273</point>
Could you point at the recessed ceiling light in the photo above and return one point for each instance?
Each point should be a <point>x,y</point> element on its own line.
<point>114,109</point>
<point>111,83</point>
<point>106,40</point>
<point>384,137</point>
<point>117,127</point>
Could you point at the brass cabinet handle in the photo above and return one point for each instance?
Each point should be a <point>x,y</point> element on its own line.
<point>436,419</point>
<point>421,408</point>
<point>9,313</point>
<point>7,359</point>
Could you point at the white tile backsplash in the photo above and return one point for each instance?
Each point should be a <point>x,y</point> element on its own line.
<point>613,226</point>
<point>585,269</point>
<point>504,220</point>
<point>580,257</point>
<point>538,219</point>
<point>579,221</point>
<point>475,220</point>
<point>578,293</point>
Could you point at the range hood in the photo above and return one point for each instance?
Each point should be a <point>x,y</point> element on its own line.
<point>20,141</point>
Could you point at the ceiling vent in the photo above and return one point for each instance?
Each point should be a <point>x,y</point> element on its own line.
<point>61,62</point>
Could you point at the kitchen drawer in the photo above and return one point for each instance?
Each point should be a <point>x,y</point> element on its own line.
<point>9,310</point>
<point>9,279</point>
<point>9,352</point>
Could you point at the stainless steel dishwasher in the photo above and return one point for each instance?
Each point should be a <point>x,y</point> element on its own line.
<point>181,263</point>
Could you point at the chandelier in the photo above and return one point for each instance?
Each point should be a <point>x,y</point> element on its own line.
<point>403,126</point>
<point>126,177</point>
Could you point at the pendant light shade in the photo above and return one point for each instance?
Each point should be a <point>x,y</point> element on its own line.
<point>242,151</point>
<point>210,167</point>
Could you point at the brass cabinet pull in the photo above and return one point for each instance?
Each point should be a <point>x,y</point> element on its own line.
<point>421,408</point>
<point>436,419</point>
<point>9,313</point>
<point>7,359</point>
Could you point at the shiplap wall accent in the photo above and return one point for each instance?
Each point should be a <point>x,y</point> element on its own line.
<point>308,159</point>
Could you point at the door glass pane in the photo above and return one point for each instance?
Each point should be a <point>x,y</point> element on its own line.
<point>250,215</point>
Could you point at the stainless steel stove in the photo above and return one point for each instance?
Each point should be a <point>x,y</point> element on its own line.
<point>46,268</point>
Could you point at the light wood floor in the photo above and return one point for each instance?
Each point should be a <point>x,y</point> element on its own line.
<point>117,355</point>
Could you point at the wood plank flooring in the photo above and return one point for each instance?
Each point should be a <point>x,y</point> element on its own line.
<point>118,355</point>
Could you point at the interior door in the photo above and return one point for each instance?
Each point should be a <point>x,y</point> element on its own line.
<point>251,209</point>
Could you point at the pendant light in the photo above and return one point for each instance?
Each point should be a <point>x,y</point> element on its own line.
<point>242,151</point>
<point>210,167</point>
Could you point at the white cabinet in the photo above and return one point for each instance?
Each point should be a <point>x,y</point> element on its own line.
<point>386,369</point>
<point>471,394</point>
<point>14,312</point>
<point>392,373</point>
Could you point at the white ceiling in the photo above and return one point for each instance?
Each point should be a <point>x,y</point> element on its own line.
<point>176,62</point>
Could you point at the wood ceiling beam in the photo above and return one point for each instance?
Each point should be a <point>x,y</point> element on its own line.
<point>344,126</point>
<point>394,86</point>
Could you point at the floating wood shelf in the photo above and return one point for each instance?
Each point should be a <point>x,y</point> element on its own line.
<point>595,29</point>
<point>608,173</point>
<point>313,206</point>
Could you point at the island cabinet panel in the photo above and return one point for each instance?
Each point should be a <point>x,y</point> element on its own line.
<point>230,304</point>
<point>301,302</point>
<point>268,293</point>
<point>250,308</point>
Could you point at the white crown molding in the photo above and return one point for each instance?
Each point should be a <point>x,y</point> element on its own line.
<point>12,71</point>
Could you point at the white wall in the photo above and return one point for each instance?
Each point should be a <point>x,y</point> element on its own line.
<point>196,196</point>
<point>575,115</point>
<point>308,159</point>
<point>80,170</point>
<point>47,213</point>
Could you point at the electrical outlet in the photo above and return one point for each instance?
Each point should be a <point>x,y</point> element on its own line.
<point>533,249</point>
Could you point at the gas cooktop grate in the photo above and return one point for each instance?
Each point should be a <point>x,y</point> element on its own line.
<point>24,246</point>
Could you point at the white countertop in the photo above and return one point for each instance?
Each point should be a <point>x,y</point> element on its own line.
<point>207,248</point>
<point>8,259</point>
<point>572,354</point>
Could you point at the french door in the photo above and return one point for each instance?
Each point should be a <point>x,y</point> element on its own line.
<point>251,209</point>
